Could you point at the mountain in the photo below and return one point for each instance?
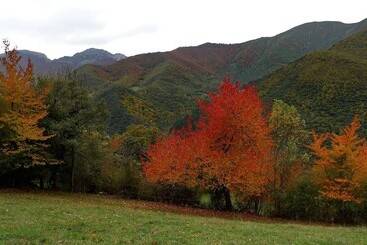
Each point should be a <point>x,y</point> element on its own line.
<point>90,56</point>
<point>43,65</point>
<point>247,61</point>
<point>172,81</point>
<point>328,87</point>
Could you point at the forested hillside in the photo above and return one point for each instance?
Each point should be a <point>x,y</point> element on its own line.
<point>172,81</point>
<point>327,87</point>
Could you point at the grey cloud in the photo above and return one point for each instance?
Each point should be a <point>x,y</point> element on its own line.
<point>143,29</point>
<point>88,39</point>
<point>62,25</point>
<point>99,39</point>
<point>76,27</point>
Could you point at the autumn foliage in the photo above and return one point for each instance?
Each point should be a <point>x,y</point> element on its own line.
<point>24,108</point>
<point>229,148</point>
<point>24,101</point>
<point>341,164</point>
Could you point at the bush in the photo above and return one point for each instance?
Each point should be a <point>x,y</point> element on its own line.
<point>304,202</point>
<point>205,200</point>
<point>167,193</point>
<point>111,177</point>
<point>301,202</point>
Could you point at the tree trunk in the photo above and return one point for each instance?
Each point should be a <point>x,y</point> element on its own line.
<point>72,169</point>
<point>42,185</point>
<point>257,206</point>
<point>227,198</point>
<point>53,180</point>
<point>13,183</point>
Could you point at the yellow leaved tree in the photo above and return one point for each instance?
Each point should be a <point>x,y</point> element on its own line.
<point>24,103</point>
<point>341,163</point>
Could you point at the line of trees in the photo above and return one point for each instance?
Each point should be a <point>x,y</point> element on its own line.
<point>53,136</point>
<point>265,166</point>
<point>43,126</point>
<point>231,155</point>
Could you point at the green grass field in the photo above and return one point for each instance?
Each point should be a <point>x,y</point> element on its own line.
<point>57,218</point>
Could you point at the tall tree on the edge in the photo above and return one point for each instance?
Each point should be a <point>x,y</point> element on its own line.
<point>228,152</point>
<point>23,102</point>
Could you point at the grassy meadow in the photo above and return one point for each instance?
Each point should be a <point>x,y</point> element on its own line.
<point>59,218</point>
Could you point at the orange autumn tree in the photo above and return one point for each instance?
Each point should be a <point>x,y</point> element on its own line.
<point>227,152</point>
<point>24,103</point>
<point>341,163</point>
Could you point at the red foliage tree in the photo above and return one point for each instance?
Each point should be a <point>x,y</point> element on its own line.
<point>227,152</point>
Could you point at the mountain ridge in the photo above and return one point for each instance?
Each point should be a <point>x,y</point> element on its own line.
<point>172,81</point>
<point>46,66</point>
<point>329,33</point>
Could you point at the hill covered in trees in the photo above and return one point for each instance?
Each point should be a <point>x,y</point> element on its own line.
<point>172,81</point>
<point>327,87</point>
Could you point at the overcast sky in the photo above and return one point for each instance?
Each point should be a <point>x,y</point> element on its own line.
<point>59,28</point>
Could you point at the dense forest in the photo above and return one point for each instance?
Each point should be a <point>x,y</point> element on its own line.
<point>291,144</point>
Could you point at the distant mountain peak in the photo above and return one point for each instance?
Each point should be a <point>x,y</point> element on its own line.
<point>119,56</point>
<point>97,51</point>
<point>32,53</point>
<point>44,65</point>
<point>93,51</point>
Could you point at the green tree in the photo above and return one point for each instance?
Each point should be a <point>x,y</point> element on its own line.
<point>131,148</point>
<point>72,112</point>
<point>90,155</point>
<point>135,141</point>
<point>289,136</point>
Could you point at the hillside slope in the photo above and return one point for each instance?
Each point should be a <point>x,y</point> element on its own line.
<point>328,87</point>
<point>172,81</point>
<point>247,61</point>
